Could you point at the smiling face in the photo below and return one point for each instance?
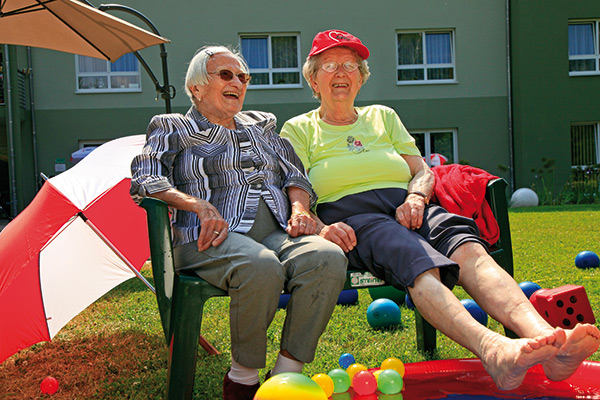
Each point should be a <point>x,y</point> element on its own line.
<point>220,100</point>
<point>339,85</point>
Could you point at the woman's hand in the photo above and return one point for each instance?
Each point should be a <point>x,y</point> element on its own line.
<point>341,234</point>
<point>410,213</point>
<point>301,223</point>
<point>213,228</point>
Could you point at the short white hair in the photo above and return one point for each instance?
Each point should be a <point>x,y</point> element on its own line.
<point>197,73</point>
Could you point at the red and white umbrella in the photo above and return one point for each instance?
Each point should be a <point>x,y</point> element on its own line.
<point>81,236</point>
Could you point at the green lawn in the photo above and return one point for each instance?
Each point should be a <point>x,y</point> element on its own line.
<point>115,349</point>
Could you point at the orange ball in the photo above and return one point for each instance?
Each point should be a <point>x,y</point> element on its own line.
<point>395,364</point>
<point>354,369</point>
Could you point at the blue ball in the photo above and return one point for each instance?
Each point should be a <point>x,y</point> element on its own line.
<point>409,302</point>
<point>346,360</point>
<point>284,299</point>
<point>587,259</point>
<point>529,288</point>
<point>383,313</point>
<point>475,311</point>
<point>349,296</point>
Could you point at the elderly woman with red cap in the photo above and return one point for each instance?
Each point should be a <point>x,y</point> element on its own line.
<point>374,190</point>
<point>241,201</point>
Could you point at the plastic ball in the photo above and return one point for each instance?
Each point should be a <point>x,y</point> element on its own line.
<point>387,292</point>
<point>355,369</point>
<point>587,259</point>
<point>409,302</point>
<point>475,311</point>
<point>49,385</point>
<point>377,372</point>
<point>341,380</point>
<point>394,364</point>
<point>290,386</point>
<point>389,381</point>
<point>325,382</point>
<point>364,383</point>
<point>346,360</point>
<point>524,197</point>
<point>529,288</point>
<point>284,299</point>
<point>383,313</point>
<point>346,297</point>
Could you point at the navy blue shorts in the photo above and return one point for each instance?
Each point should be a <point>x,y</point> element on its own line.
<point>393,252</point>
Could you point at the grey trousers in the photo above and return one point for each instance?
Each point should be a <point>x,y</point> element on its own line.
<point>254,268</point>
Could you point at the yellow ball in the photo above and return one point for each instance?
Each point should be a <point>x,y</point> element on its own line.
<point>355,369</point>
<point>290,386</point>
<point>395,364</point>
<point>376,373</point>
<point>325,382</point>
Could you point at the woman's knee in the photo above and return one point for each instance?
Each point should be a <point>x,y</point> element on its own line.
<point>262,270</point>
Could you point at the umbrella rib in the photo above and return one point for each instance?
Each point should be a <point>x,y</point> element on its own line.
<point>43,4</point>
<point>115,250</point>
<point>34,7</point>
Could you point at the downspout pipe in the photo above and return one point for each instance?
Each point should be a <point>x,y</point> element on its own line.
<point>10,133</point>
<point>36,175</point>
<point>511,144</point>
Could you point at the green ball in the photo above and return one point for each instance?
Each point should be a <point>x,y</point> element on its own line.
<point>341,380</point>
<point>389,382</point>
<point>387,292</point>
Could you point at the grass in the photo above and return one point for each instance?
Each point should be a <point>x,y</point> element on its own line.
<point>115,349</point>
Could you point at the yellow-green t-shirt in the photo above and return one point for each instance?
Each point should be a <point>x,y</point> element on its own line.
<point>349,159</point>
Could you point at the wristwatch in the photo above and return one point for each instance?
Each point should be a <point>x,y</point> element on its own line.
<point>423,195</point>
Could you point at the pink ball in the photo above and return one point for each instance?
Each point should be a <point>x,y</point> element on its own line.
<point>364,383</point>
<point>49,385</point>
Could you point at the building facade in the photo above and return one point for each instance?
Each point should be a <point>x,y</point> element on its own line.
<point>461,87</point>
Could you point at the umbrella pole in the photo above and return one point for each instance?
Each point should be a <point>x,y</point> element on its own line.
<point>115,250</point>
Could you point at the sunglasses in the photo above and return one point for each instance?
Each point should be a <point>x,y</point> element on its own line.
<point>332,66</point>
<point>227,75</point>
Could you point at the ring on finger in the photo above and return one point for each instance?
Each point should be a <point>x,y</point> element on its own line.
<point>217,233</point>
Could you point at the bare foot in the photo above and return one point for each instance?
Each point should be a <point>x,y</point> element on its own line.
<point>507,360</point>
<point>582,342</point>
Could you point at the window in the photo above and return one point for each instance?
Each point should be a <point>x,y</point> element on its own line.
<point>585,144</point>
<point>97,76</point>
<point>425,57</point>
<point>274,60</point>
<point>437,147</point>
<point>584,53</point>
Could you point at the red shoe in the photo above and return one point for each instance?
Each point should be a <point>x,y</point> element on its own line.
<point>238,391</point>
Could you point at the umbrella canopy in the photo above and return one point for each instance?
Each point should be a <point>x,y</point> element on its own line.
<point>72,27</point>
<point>81,236</point>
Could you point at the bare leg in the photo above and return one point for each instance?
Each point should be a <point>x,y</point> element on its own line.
<point>506,360</point>
<point>497,293</point>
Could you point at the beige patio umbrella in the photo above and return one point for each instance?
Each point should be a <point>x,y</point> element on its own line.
<point>71,26</point>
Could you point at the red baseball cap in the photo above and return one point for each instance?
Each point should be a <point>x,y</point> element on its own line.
<point>333,38</point>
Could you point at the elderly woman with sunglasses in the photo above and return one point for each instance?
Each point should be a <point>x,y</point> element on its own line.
<point>374,190</point>
<point>240,219</point>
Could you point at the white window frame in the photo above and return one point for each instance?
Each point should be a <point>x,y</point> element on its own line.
<point>108,75</point>
<point>425,66</point>
<point>595,56</point>
<point>427,140</point>
<point>270,70</point>
<point>596,126</point>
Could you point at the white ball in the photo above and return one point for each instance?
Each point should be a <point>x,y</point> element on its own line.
<point>524,197</point>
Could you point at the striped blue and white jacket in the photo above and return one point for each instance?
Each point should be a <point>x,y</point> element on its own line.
<point>232,169</point>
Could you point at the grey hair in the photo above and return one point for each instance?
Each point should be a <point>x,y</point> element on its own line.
<point>312,64</point>
<point>197,73</point>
